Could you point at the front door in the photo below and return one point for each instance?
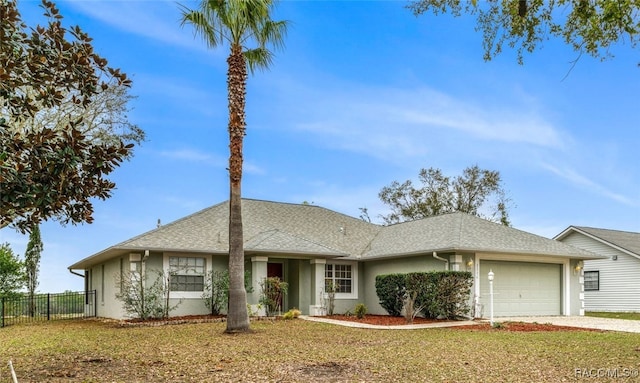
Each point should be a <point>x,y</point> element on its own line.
<point>275,270</point>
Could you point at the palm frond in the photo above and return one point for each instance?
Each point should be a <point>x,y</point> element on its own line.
<point>245,23</point>
<point>274,33</point>
<point>258,58</point>
<point>205,24</point>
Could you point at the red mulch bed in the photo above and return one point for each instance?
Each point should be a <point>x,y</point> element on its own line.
<point>387,320</point>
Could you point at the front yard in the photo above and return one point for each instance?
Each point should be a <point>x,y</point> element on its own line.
<point>615,315</point>
<point>302,351</point>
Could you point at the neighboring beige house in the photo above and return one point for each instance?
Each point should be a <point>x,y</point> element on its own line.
<point>612,283</point>
<point>307,245</point>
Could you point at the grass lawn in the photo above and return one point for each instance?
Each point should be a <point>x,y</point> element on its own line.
<point>302,351</point>
<point>631,316</point>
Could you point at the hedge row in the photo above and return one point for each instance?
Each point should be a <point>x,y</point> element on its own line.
<point>441,293</point>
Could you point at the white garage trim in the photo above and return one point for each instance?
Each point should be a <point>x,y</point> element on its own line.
<point>565,273</point>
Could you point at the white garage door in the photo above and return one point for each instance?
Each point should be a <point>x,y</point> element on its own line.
<point>522,288</point>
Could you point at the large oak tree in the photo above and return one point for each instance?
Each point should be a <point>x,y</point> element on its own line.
<point>476,191</point>
<point>52,170</point>
<point>589,26</point>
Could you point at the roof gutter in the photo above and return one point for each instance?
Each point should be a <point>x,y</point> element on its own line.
<point>435,255</point>
<point>74,273</point>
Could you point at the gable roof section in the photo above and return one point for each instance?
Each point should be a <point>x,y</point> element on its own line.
<point>626,241</point>
<point>277,241</point>
<point>465,232</point>
<point>269,227</point>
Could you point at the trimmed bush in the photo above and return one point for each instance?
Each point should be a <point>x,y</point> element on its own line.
<point>390,291</point>
<point>441,293</point>
<point>450,295</point>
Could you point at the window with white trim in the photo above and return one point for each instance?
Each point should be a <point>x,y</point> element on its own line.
<point>591,280</point>
<point>187,273</point>
<point>344,276</point>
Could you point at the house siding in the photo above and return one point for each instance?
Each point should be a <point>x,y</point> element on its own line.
<point>108,305</point>
<point>619,283</point>
<point>576,289</point>
<point>102,279</point>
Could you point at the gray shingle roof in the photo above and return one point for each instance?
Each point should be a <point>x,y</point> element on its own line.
<point>269,227</point>
<point>464,232</point>
<point>284,228</point>
<point>626,240</point>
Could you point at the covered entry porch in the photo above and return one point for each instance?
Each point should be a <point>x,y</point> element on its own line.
<point>305,279</point>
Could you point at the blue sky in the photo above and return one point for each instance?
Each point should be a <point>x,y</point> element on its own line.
<point>364,93</point>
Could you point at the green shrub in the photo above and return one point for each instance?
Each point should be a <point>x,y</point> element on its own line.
<point>389,289</point>
<point>441,293</point>
<point>449,295</point>
<point>272,294</point>
<point>146,296</point>
<point>291,314</point>
<point>360,310</point>
<point>216,291</point>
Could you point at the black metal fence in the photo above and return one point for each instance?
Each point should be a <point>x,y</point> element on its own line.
<point>43,307</point>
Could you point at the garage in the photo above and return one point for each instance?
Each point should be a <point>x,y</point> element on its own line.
<point>522,288</point>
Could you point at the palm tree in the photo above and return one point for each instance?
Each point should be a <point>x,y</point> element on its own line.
<point>237,22</point>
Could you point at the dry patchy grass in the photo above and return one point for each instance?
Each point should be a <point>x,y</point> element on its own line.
<point>301,351</point>
<point>615,315</point>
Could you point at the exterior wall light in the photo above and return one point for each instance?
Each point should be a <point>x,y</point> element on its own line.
<point>578,268</point>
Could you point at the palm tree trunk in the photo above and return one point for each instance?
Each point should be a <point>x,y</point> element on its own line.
<point>237,316</point>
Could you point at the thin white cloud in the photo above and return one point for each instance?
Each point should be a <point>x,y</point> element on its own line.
<point>251,168</point>
<point>157,20</point>
<point>505,123</point>
<point>396,123</point>
<point>208,159</point>
<point>346,200</point>
<point>194,155</point>
<point>179,92</point>
<point>586,183</point>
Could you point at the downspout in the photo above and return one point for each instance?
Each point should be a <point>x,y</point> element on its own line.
<point>435,255</point>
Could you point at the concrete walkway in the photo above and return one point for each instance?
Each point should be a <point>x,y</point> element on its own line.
<point>378,327</point>
<point>609,324</point>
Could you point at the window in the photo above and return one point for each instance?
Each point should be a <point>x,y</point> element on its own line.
<point>187,273</point>
<point>591,280</point>
<point>340,277</point>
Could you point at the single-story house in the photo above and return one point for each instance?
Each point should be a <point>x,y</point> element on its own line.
<point>308,246</point>
<point>611,283</point>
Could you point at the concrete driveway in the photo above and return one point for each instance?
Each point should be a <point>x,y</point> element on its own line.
<point>624,325</point>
